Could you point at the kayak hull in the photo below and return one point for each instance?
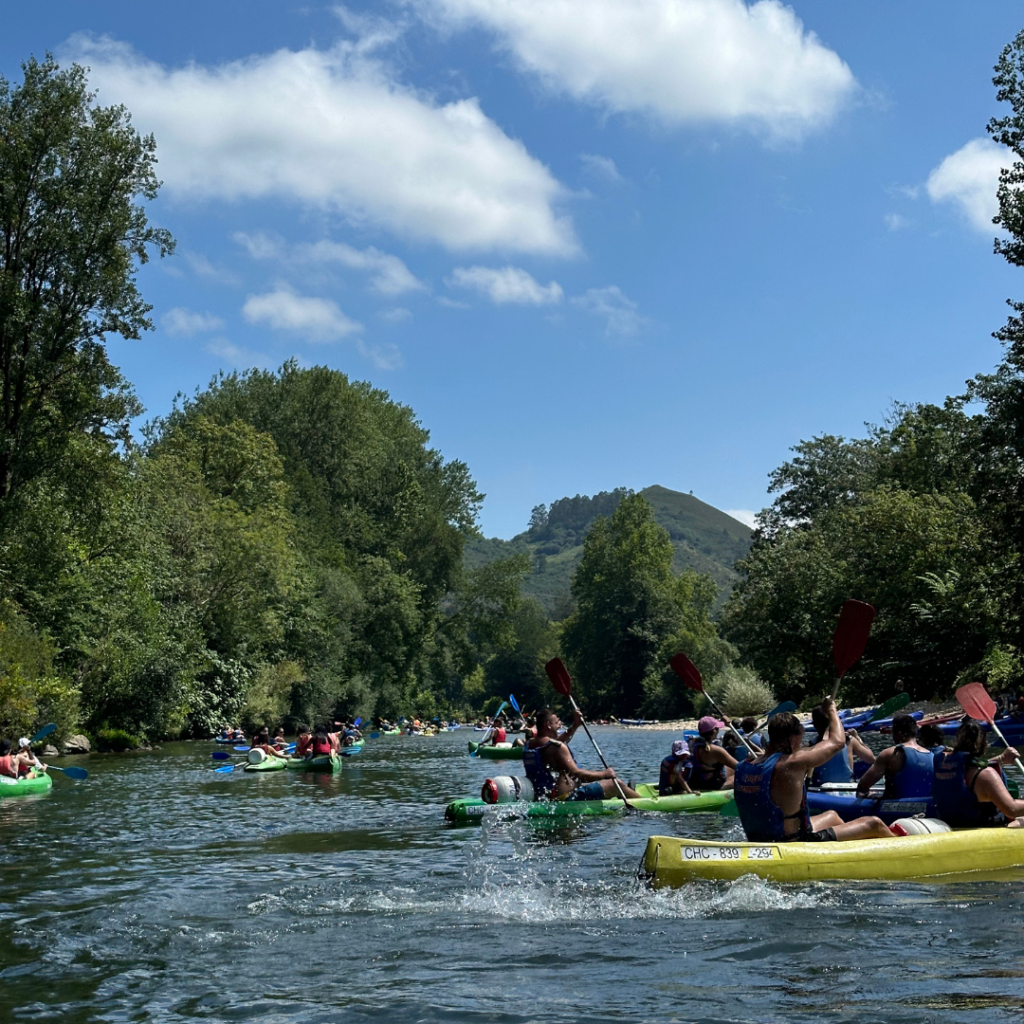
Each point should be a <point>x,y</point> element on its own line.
<point>1011,728</point>
<point>683,803</point>
<point>671,861</point>
<point>500,752</point>
<point>271,764</point>
<point>849,806</point>
<point>324,763</point>
<point>28,786</point>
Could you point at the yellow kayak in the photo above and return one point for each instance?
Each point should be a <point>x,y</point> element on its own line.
<point>671,861</point>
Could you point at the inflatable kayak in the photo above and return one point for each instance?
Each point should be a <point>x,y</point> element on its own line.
<point>671,861</point>
<point>352,749</point>
<point>497,751</point>
<point>682,803</point>
<point>37,782</point>
<point>884,724</point>
<point>848,805</point>
<point>1012,728</point>
<point>271,764</point>
<point>322,763</point>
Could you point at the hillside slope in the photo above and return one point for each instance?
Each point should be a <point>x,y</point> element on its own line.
<point>704,538</point>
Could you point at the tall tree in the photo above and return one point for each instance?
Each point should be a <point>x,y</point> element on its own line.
<point>71,235</point>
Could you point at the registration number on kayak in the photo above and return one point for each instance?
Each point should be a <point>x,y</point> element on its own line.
<point>726,853</point>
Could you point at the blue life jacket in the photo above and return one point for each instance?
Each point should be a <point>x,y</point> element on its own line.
<point>703,776</point>
<point>915,779</point>
<point>762,818</point>
<point>670,767</point>
<point>835,769</point>
<point>756,739</point>
<point>543,778</point>
<point>955,802</point>
<point>940,749</point>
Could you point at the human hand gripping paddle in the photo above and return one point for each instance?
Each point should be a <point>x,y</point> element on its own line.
<point>850,637</point>
<point>562,682</point>
<point>690,674</point>
<point>974,699</point>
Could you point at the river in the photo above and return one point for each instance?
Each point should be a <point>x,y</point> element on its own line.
<point>158,890</point>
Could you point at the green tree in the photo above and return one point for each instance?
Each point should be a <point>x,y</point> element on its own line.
<point>630,609</point>
<point>71,235</point>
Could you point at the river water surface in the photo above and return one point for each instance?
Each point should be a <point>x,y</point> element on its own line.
<point>160,891</point>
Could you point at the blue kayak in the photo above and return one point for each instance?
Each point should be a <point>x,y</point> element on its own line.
<point>849,806</point>
<point>1012,728</point>
<point>885,723</point>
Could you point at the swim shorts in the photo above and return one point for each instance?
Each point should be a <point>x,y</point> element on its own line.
<point>591,791</point>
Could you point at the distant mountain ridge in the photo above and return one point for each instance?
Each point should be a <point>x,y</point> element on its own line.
<point>704,539</point>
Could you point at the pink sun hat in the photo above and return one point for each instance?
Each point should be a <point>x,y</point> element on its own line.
<point>708,724</point>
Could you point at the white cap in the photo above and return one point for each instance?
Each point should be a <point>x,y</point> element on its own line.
<point>23,742</point>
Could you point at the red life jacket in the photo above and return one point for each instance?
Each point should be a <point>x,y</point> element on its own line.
<point>499,735</point>
<point>304,744</point>
<point>7,766</point>
<point>321,745</point>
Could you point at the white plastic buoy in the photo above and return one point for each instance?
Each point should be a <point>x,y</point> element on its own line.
<point>506,789</point>
<point>922,826</point>
<point>256,756</point>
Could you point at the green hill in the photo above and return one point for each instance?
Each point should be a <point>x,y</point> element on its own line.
<point>704,538</point>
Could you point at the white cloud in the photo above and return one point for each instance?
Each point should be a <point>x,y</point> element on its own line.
<point>184,322</point>
<point>601,166</point>
<point>286,310</point>
<point>678,61</point>
<point>201,266</point>
<point>895,221</point>
<point>331,130</point>
<point>969,177</point>
<point>389,274</point>
<point>384,357</point>
<point>443,300</point>
<point>396,315</point>
<point>620,313</point>
<point>508,284</point>
<point>744,515</point>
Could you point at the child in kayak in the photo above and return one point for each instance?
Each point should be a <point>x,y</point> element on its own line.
<point>711,765</point>
<point>261,741</point>
<point>304,741</point>
<point>674,770</point>
<point>771,794</point>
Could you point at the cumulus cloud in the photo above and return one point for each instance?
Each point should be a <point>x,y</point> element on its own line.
<point>969,178</point>
<point>286,310</point>
<point>508,284</point>
<point>388,274</point>
<point>744,515</point>
<point>677,61</point>
<point>332,130</point>
<point>185,323</point>
<point>620,313</point>
<point>396,315</point>
<point>600,166</point>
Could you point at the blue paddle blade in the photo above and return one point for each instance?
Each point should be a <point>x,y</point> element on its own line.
<point>374,735</point>
<point>221,755</point>
<point>244,750</point>
<point>786,705</point>
<point>76,773</point>
<point>44,732</point>
<point>226,768</point>
<point>358,721</point>
<point>512,700</point>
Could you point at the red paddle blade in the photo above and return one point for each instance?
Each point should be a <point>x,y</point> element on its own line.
<point>687,671</point>
<point>559,676</point>
<point>974,699</point>
<point>851,634</point>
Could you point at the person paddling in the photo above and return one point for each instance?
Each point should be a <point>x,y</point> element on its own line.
<point>931,738</point>
<point>908,767</point>
<point>970,792</point>
<point>29,762</point>
<point>10,763</point>
<point>711,765</point>
<point>839,767</point>
<point>303,740</point>
<point>552,769</point>
<point>261,741</point>
<point>771,794</point>
<point>674,770</point>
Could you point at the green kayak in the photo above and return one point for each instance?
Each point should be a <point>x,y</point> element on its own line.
<point>682,803</point>
<point>497,751</point>
<point>392,732</point>
<point>39,782</point>
<point>352,749</point>
<point>322,763</point>
<point>271,764</point>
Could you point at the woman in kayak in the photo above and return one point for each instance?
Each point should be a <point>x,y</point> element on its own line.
<point>771,794</point>
<point>321,745</point>
<point>10,764</point>
<point>30,763</point>
<point>711,766</point>
<point>970,791</point>
<point>839,767</point>
<point>303,741</point>
<point>261,741</point>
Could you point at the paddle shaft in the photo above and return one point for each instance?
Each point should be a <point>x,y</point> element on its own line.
<point>743,740</point>
<point>490,728</point>
<point>995,729</point>
<point>583,722</point>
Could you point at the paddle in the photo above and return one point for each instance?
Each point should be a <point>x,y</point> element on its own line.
<point>43,733</point>
<point>490,728</point>
<point>71,773</point>
<point>890,707</point>
<point>850,637</point>
<point>787,707</point>
<point>974,699</point>
<point>244,750</point>
<point>690,674</point>
<point>562,682</point>
<point>225,768</point>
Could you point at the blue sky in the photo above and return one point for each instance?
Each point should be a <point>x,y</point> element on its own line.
<point>592,243</point>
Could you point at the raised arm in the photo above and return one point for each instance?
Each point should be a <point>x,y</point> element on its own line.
<point>833,741</point>
<point>990,787</point>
